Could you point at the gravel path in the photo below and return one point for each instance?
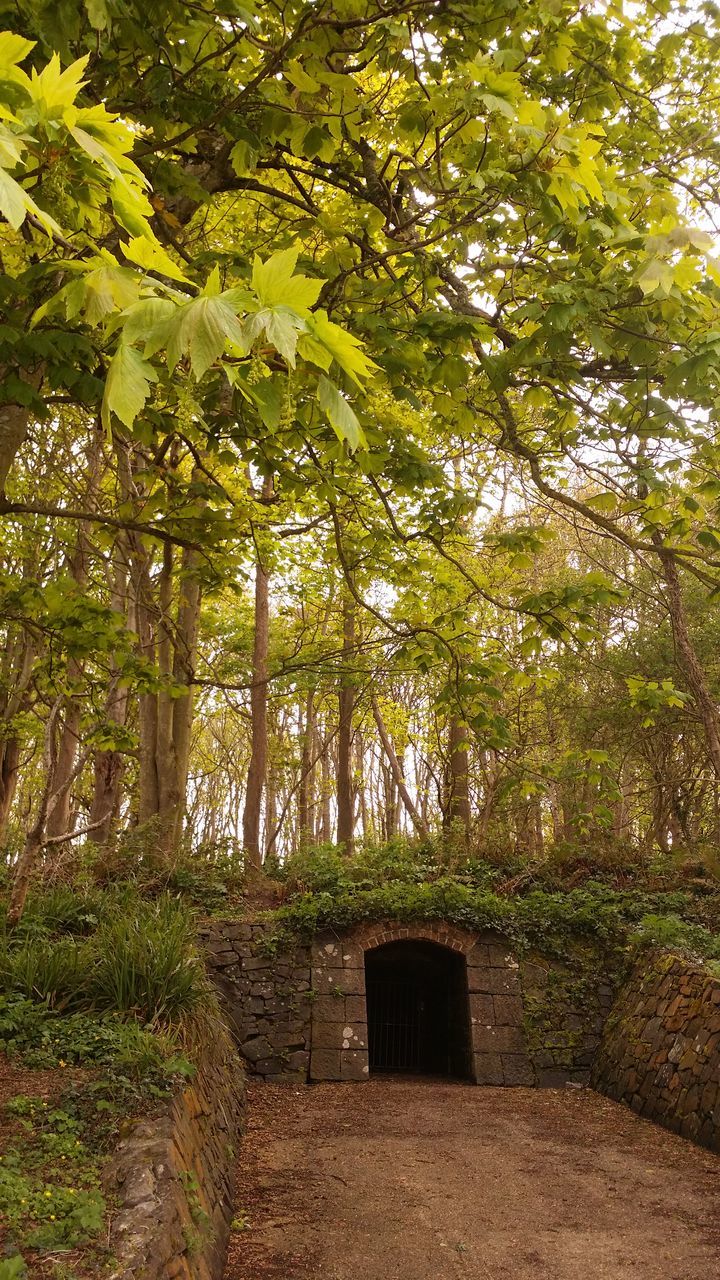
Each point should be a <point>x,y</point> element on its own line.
<point>427,1180</point>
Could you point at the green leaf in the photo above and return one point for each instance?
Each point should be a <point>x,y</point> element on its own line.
<point>269,396</point>
<point>127,387</point>
<point>150,255</point>
<point>343,348</point>
<point>13,201</point>
<point>657,275</point>
<point>271,278</point>
<point>202,330</point>
<point>13,49</point>
<point>299,78</point>
<point>131,207</point>
<point>340,415</point>
<point>276,285</point>
<point>243,157</point>
<point>603,502</point>
<point>97,14</point>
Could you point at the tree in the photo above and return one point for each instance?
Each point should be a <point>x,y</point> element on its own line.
<point>446,275</point>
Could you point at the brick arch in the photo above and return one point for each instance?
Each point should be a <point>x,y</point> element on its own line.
<point>444,934</point>
<point>339,1043</point>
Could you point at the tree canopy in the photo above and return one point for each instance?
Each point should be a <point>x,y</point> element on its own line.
<point>358,451</point>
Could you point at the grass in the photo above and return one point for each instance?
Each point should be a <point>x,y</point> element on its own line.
<point>113,983</point>
<point>140,960</point>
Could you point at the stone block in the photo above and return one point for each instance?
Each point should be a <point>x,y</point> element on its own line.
<point>256,1049</point>
<point>350,982</point>
<point>269,1066</point>
<point>482,1009</point>
<point>287,1040</point>
<point>238,932</point>
<point>492,981</point>
<point>326,1035</point>
<point>245,1029</point>
<point>329,1008</point>
<point>354,1035</point>
<point>352,955</point>
<point>499,956</point>
<point>552,1079</point>
<point>299,1061</point>
<point>498,1040</point>
<point>325,1064</point>
<point>488,1068</point>
<point>508,1011</point>
<point>534,975</point>
<point>326,951</point>
<point>517,1070</point>
<point>354,1064</point>
<point>355,1008</point>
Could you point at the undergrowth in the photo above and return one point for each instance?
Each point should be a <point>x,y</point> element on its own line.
<point>405,881</point>
<point>112,952</point>
<point>103,980</point>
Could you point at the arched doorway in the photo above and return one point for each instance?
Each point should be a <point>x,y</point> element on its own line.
<point>418,1009</point>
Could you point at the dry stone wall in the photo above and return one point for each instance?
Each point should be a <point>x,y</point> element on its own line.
<point>302,1014</point>
<point>660,1053</point>
<point>173,1177</point>
<point>266,997</point>
<point>566,1005</point>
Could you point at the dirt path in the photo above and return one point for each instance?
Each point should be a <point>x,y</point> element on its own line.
<point>405,1180</point>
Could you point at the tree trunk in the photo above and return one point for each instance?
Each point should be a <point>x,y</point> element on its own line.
<point>32,847</point>
<point>687,657</point>
<point>258,712</point>
<point>325,819</point>
<point>166,622</point>
<point>58,815</point>
<point>186,637</point>
<point>397,772</point>
<point>305,788</point>
<point>108,772</point>
<point>346,706</point>
<point>457,803</point>
<point>109,766</point>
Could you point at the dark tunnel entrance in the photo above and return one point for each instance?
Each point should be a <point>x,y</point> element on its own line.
<point>417,1007</point>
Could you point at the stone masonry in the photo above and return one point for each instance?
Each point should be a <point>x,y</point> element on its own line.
<point>566,1003</point>
<point>339,1013</point>
<point>660,1053</point>
<point>172,1177</point>
<point>265,997</point>
<point>302,1014</point>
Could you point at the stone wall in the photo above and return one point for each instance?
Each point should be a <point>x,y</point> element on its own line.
<point>303,1015</point>
<point>265,997</point>
<point>172,1177</point>
<point>566,1005</point>
<point>339,1014</point>
<point>660,1053</point>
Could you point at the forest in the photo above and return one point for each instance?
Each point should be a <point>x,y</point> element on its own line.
<point>359,484</point>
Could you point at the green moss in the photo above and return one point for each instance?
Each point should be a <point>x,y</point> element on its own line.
<point>569,990</point>
<point>552,922</point>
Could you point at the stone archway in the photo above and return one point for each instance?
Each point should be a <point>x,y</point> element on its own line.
<point>418,1010</point>
<point>339,1029</point>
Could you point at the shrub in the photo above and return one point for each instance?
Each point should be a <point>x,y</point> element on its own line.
<point>147,964</point>
<point>550,920</point>
<point>54,971</point>
<point>677,935</point>
<point>140,961</point>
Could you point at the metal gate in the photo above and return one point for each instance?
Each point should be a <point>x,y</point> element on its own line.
<point>394,1030</point>
<point>417,1010</point>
